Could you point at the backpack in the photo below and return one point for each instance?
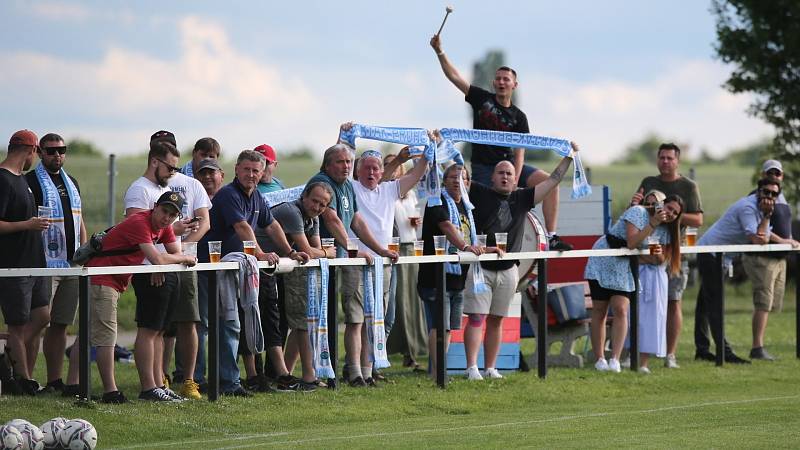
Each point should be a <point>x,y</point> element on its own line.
<point>94,248</point>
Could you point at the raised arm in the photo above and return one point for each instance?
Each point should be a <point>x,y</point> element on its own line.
<point>448,68</point>
<point>543,188</point>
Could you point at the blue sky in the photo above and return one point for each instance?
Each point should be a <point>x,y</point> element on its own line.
<point>288,73</point>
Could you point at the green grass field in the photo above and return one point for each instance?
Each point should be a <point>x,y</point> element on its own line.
<point>697,406</point>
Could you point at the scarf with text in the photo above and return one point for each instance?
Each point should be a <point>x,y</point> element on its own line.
<point>55,238</point>
<point>317,319</point>
<point>373,313</point>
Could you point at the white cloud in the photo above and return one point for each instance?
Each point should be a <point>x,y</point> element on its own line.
<point>75,12</point>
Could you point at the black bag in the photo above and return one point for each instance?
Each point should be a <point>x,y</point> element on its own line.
<point>94,247</point>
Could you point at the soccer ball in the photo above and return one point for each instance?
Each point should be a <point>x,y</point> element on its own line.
<point>32,438</point>
<point>78,434</point>
<point>10,438</point>
<point>51,429</point>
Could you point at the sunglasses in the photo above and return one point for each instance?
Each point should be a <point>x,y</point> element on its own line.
<point>172,169</point>
<point>774,172</point>
<point>53,150</point>
<point>769,193</point>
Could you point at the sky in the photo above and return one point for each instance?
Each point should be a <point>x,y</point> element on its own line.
<point>603,74</point>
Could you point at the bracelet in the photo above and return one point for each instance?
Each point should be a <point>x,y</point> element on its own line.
<point>439,53</point>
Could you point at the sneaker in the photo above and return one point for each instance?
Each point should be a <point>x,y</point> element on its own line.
<point>733,359</point>
<point>644,370</point>
<point>558,245</point>
<point>760,353</point>
<point>371,382</point>
<point>156,395</point>
<point>53,387</point>
<point>613,365</point>
<point>378,375</point>
<point>114,397</point>
<point>258,383</point>
<point>704,355</point>
<point>190,390</point>
<point>491,372</point>
<point>473,374</point>
<point>172,394</point>
<point>70,390</point>
<point>671,363</point>
<point>287,382</point>
<point>601,365</point>
<point>357,382</point>
<point>29,386</point>
<point>305,386</point>
<point>238,392</point>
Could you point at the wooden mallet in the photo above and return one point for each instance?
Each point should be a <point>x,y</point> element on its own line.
<point>449,9</point>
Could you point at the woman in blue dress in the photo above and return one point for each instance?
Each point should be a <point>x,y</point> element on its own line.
<point>610,279</point>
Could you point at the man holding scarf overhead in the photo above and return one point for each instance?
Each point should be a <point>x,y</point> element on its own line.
<point>53,187</point>
<point>494,111</point>
<point>500,208</point>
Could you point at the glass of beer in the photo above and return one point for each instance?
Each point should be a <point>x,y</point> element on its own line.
<point>691,236</point>
<point>501,239</point>
<point>214,251</point>
<point>328,243</point>
<point>439,244</point>
<point>352,247</point>
<point>419,247</point>
<point>653,245</point>
<point>189,248</point>
<point>250,247</point>
<point>394,244</point>
<point>414,217</point>
<point>481,241</point>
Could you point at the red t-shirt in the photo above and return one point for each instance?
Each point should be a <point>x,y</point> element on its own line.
<point>131,232</point>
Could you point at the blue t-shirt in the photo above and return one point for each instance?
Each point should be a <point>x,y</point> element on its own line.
<point>272,186</point>
<point>736,225</point>
<point>229,206</point>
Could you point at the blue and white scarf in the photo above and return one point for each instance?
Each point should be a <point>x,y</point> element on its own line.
<point>188,169</point>
<point>373,313</point>
<point>275,198</point>
<point>55,238</point>
<point>580,186</point>
<point>455,268</point>
<point>317,318</point>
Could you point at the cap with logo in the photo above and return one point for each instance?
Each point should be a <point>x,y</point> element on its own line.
<point>173,199</point>
<point>163,136</point>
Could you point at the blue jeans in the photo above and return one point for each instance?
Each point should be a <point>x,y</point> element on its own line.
<point>228,354</point>
<point>202,328</point>
<point>453,307</point>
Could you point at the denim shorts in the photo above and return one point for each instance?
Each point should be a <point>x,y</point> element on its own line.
<point>453,307</point>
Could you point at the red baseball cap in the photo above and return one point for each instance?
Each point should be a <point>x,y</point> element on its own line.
<point>268,152</point>
<point>24,137</point>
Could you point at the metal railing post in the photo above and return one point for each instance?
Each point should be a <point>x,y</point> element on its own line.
<point>333,325</point>
<point>441,329</point>
<point>720,340</point>
<point>84,349</point>
<point>541,326</point>
<point>213,337</point>
<point>634,310</point>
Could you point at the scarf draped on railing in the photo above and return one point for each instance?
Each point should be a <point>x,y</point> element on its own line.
<point>580,186</point>
<point>55,237</point>
<point>317,319</point>
<point>455,268</point>
<point>373,313</point>
<point>275,198</point>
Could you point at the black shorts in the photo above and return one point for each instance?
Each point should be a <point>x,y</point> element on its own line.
<point>154,304</point>
<point>602,294</point>
<point>20,295</point>
<point>270,315</point>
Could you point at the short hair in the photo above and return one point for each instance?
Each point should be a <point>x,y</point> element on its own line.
<point>251,155</point>
<point>50,137</point>
<point>768,182</point>
<point>507,69</point>
<point>207,144</point>
<point>451,168</point>
<point>333,149</point>
<point>160,149</point>
<point>669,146</point>
<point>317,184</point>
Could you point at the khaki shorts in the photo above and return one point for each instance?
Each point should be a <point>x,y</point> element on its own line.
<point>768,276</point>
<point>295,288</point>
<point>104,315</point>
<point>64,300</point>
<point>502,287</point>
<point>352,289</point>
<point>186,309</point>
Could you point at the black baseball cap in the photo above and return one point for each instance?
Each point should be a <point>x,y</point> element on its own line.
<point>207,163</point>
<point>163,136</point>
<point>173,199</point>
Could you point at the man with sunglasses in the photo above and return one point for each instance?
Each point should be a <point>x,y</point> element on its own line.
<point>745,222</point>
<point>53,187</point>
<point>767,271</point>
<point>162,175</point>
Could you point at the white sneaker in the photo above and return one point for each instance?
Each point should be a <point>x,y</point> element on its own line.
<point>491,372</point>
<point>473,374</point>
<point>613,365</point>
<point>644,370</point>
<point>601,365</point>
<point>625,363</point>
<point>671,363</point>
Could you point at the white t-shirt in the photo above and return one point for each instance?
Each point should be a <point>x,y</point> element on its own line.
<point>407,207</point>
<point>377,208</point>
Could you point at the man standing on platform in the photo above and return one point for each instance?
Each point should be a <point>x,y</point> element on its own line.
<point>670,182</point>
<point>494,111</point>
<point>54,188</point>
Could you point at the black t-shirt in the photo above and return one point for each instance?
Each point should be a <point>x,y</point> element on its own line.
<point>69,224</point>
<point>499,213</point>
<point>23,248</point>
<point>487,114</point>
<point>434,215</point>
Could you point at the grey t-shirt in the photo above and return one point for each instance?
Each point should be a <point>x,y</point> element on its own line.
<point>293,221</point>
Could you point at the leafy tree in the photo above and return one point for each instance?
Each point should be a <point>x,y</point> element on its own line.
<point>760,40</point>
<point>646,150</point>
<point>82,147</point>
